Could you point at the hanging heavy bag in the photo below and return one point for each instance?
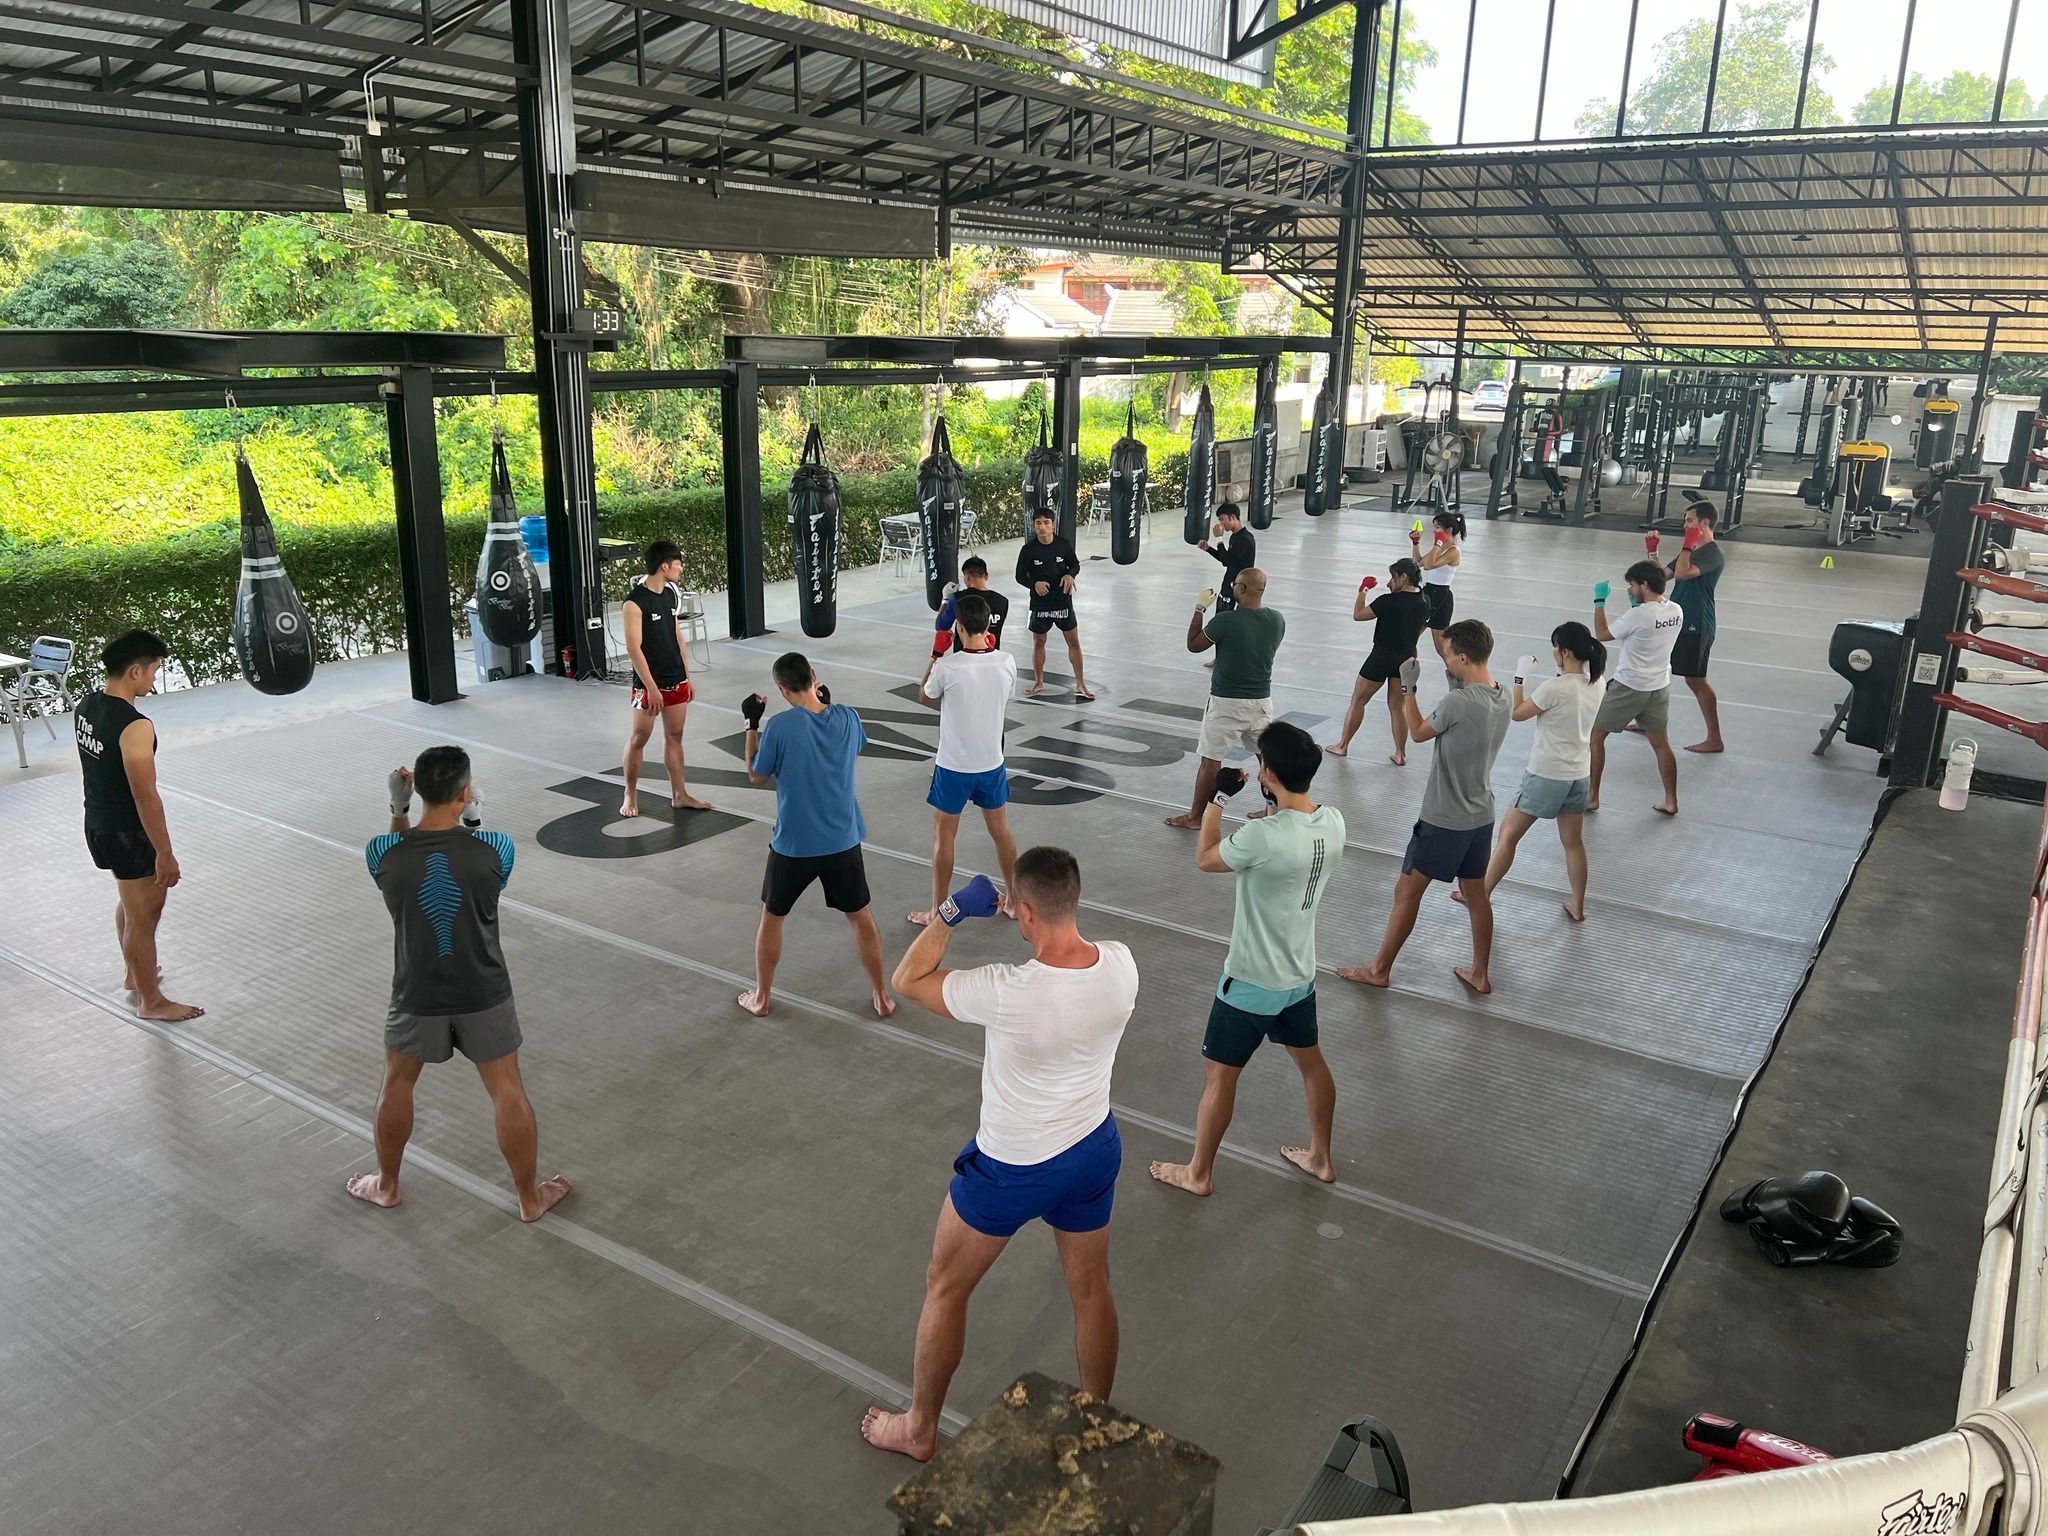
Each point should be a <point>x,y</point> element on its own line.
<point>273,635</point>
<point>508,600</point>
<point>941,492</point>
<point>1201,482</point>
<point>814,519</point>
<point>1265,459</point>
<point>1318,450</point>
<point>1045,468</point>
<point>1333,457</point>
<point>1130,470</point>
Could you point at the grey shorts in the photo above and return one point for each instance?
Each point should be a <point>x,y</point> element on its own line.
<point>1623,707</point>
<point>1548,799</point>
<point>482,1036</point>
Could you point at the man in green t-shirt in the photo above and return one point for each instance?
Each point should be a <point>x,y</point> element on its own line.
<point>1694,576</point>
<point>1241,688</point>
<point>1283,862</point>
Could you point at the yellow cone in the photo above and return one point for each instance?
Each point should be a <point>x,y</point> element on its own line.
<point>1827,562</point>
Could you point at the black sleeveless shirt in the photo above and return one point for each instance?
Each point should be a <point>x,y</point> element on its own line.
<point>109,802</point>
<point>660,639</point>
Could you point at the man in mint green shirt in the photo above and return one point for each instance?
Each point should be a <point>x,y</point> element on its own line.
<point>1283,862</point>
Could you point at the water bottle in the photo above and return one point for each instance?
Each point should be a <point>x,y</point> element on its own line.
<point>1955,784</point>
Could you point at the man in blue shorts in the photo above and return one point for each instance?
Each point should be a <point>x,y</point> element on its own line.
<point>1283,862</point>
<point>1454,837</point>
<point>449,988</point>
<point>1047,1147</point>
<point>970,687</point>
<point>808,752</point>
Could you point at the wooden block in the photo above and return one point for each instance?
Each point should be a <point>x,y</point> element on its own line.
<point>1049,1460</point>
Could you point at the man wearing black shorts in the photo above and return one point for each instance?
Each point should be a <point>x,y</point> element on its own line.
<point>808,752</point>
<point>1400,614</point>
<point>125,827</point>
<point>449,988</point>
<point>1694,576</point>
<point>1046,568</point>
<point>661,675</point>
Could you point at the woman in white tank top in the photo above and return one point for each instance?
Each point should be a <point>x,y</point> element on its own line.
<point>1439,569</point>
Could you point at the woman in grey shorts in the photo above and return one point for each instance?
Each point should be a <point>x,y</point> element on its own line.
<point>1556,785</point>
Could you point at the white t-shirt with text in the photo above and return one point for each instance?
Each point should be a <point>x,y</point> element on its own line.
<point>1564,731</point>
<point>1646,635</point>
<point>973,689</point>
<point>1052,1039</point>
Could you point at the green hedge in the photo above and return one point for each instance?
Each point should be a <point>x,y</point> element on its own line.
<point>182,586</point>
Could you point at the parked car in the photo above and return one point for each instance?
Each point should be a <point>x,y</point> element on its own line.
<point>1490,395</point>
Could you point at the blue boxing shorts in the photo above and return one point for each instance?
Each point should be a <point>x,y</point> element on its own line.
<point>951,792</point>
<point>1070,1192</point>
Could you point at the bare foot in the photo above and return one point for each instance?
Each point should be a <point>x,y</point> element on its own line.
<point>1209,665</point>
<point>1185,822</point>
<point>548,1194</point>
<point>1181,1177</point>
<point>164,1011</point>
<point>369,1188</point>
<point>918,919</point>
<point>882,1003</point>
<point>1592,807</point>
<point>1706,746</point>
<point>1472,979</point>
<point>1633,726</point>
<point>1666,807</point>
<point>1457,895</point>
<point>128,980</point>
<point>887,1431</point>
<point>689,803</point>
<point>1364,975</point>
<point>1306,1160</point>
<point>1576,914</point>
<point>754,1003</point>
<point>630,806</point>
<point>1032,692</point>
<point>1398,759</point>
<point>1084,695</point>
<point>1337,750</point>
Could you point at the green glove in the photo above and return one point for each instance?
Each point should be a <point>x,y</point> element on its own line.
<point>1600,591</point>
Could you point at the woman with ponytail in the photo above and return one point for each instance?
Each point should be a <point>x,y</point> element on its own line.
<point>1439,569</point>
<point>1556,786</point>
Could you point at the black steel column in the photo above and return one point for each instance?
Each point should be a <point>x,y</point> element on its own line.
<point>1966,450</point>
<point>561,363</point>
<point>1805,411</point>
<point>1066,436</point>
<point>422,537</point>
<point>1945,604</point>
<point>740,427</point>
<point>1365,44</point>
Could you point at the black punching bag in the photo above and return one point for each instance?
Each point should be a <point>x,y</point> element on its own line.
<point>1265,459</point>
<point>1044,468</point>
<point>273,635</point>
<point>1201,483</point>
<point>1312,500</point>
<point>941,492</point>
<point>814,515</point>
<point>507,586</point>
<point>1130,468</point>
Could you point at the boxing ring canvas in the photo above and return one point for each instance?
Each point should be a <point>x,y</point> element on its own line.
<point>215,1334</point>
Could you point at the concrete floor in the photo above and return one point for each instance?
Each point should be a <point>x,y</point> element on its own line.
<point>211,1337</point>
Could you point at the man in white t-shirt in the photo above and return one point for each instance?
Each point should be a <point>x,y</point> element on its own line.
<point>1640,693</point>
<point>1047,1147</point>
<point>970,687</point>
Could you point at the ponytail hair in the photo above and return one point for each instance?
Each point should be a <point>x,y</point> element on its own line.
<point>1574,639</point>
<point>1451,522</point>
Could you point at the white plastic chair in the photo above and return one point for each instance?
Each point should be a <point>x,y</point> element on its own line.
<point>44,687</point>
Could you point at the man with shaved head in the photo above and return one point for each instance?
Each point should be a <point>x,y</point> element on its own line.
<point>1245,640</point>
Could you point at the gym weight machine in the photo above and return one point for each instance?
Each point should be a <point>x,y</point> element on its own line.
<point>1684,403</point>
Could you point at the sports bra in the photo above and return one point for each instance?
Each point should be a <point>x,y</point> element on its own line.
<point>1439,575</point>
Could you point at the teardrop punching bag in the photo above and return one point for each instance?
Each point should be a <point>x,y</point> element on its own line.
<point>508,597</point>
<point>273,635</point>
<point>1312,501</point>
<point>941,492</point>
<point>1130,469</point>
<point>1333,455</point>
<point>1201,485</point>
<point>1265,457</point>
<point>814,518</point>
<point>1044,468</point>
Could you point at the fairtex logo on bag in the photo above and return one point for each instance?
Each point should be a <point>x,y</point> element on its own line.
<point>1917,1515</point>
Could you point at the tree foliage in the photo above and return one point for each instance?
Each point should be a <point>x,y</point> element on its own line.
<point>1756,82</point>
<point>1965,96</point>
<point>129,284</point>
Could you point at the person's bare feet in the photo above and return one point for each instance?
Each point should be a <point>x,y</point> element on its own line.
<point>1458,896</point>
<point>1337,749</point>
<point>1084,695</point>
<point>1364,975</point>
<point>1706,746</point>
<point>630,806</point>
<point>689,803</point>
<point>1473,979</point>
<point>369,1188</point>
<point>548,1194</point>
<point>755,1003</point>
<point>1398,759</point>
<point>1576,914</point>
<point>1185,822</point>
<point>887,1431</point>
<point>1666,807</point>
<point>1032,692</point>
<point>882,1003</point>
<point>1633,727</point>
<point>1180,1176</point>
<point>164,1011</point>
<point>918,919</point>
<point>1315,1167</point>
<point>1592,807</point>
<point>128,981</point>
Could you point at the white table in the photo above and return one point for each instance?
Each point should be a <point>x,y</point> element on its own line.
<point>9,709</point>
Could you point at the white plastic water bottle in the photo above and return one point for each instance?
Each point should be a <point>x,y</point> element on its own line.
<point>1955,784</point>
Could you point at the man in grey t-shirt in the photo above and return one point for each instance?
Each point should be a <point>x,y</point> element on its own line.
<point>1454,836</point>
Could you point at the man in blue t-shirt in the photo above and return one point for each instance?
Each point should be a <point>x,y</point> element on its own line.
<point>808,752</point>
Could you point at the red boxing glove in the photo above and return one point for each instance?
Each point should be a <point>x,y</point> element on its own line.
<point>1693,536</point>
<point>1442,537</point>
<point>941,644</point>
<point>1368,584</point>
<point>1650,542</point>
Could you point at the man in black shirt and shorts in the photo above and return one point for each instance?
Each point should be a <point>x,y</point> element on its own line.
<point>1046,567</point>
<point>449,988</point>
<point>661,675</point>
<point>1400,615</point>
<point>125,827</point>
